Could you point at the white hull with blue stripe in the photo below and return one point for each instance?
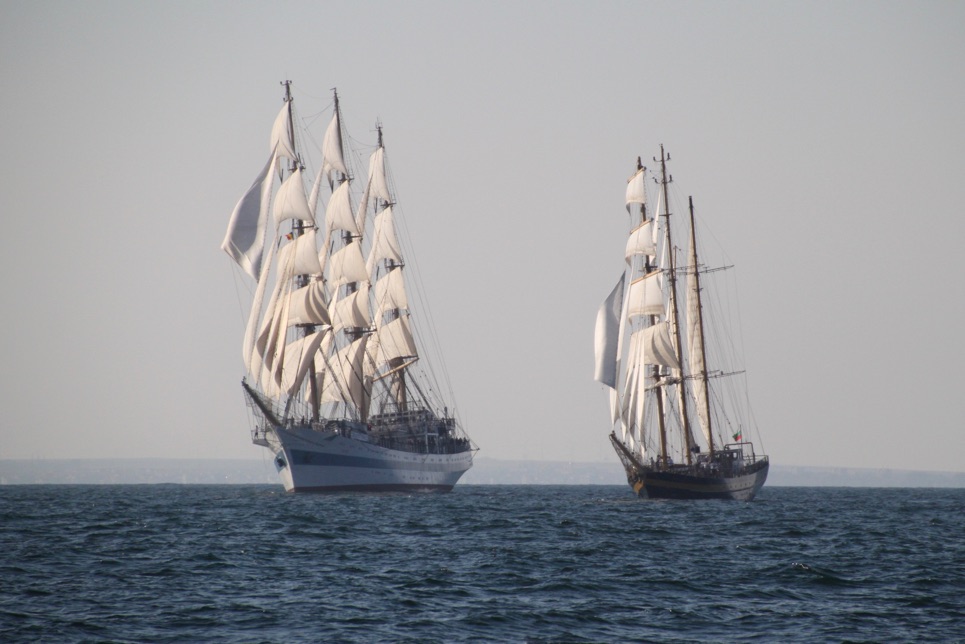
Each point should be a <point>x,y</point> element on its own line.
<point>319,460</point>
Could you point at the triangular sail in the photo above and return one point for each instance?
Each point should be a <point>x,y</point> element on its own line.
<point>695,334</point>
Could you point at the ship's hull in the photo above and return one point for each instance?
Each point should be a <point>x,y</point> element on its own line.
<point>684,484</point>
<point>309,460</point>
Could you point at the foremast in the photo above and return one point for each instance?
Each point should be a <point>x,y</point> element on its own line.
<point>651,270</point>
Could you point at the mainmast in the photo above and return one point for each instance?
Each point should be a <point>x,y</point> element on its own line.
<point>665,180</point>
<point>704,398</point>
<point>397,366</point>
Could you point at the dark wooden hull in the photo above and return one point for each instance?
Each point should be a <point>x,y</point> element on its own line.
<point>737,479</point>
<point>682,484</point>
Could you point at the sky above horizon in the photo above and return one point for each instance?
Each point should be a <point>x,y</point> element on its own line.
<point>824,141</point>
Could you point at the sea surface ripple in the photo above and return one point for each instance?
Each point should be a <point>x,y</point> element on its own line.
<point>176,563</point>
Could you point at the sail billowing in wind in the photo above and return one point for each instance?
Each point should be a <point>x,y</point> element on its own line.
<point>330,348</point>
<point>656,368</point>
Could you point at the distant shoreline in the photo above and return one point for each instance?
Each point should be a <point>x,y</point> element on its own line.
<point>485,471</point>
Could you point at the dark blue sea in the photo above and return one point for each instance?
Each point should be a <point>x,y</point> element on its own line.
<point>183,563</point>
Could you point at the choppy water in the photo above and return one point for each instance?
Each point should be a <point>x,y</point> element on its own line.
<point>484,563</point>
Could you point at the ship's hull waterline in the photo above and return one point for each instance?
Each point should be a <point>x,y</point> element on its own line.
<point>663,484</point>
<point>309,460</point>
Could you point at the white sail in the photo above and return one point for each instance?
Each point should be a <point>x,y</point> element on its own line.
<point>299,357</point>
<point>290,202</point>
<point>696,346</point>
<point>390,293</point>
<point>607,334</point>
<point>385,244</point>
<point>395,340</point>
<point>300,257</point>
<point>245,239</point>
<point>657,346</point>
<point>633,391</point>
<point>646,296</point>
<point>338,214</point>
<point>332,159</point>
<point>352,311</point>
<point>377,183</point>
<point>636,188</point>
<point>641,241</point>
<point>347,383</point>
<point>281,135</point>
<point>315,358</point>
<point>308,305</point>
<point>347,265</point>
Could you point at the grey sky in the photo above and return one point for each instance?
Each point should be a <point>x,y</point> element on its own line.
<point>822,142</point>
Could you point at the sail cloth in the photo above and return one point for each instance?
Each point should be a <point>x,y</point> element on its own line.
<point>281,142</point>
<point>299,356</point>
<point>339,215</point>
<point>347,265</point>
<point>657,347</point>
<point>607,335</point>
<point>636,189</point>
<point>646,296</point>
<point>347,383</point>
<point>352,311</point>
<point>332,148</point>
<point>291,203</point>
<point>390,293</point>
<point>308,305</point>
<point>696,347</point>
<point>642,241</point>
<point>385,244</point>
<point>245,239</point>
<point>395,340</point>
<point>300,257</point>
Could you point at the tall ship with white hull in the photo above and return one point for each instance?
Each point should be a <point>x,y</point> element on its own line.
<point>666,352</point>
<point>336,376</point>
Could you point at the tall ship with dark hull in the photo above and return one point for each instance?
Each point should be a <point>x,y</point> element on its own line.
<point>337,377</point>
<point>665,348</point>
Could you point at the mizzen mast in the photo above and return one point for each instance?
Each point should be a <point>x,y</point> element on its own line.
<point>703,397</point>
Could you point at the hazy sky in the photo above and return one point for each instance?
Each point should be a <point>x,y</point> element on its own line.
<point>824,142</point>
